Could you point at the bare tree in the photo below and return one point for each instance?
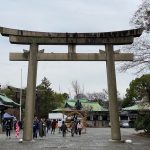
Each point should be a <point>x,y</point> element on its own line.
<point>141,18</point>
<point>141,50</point>
<point>96,96</point>
<point>103,96</point>
<point>100,97</point>
<point>141,45</point>
<point>78,90</point>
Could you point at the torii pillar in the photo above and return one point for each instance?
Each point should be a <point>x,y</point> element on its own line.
<point>112,93</point>
<point>30,95</point>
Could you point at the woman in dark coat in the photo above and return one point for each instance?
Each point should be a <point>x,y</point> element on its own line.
<point>8,128</point>
<point>53,126</point>
<point>41,128</point>
<point>35,128</point>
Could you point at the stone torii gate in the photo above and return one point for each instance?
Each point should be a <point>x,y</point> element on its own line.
<point>34,39</point>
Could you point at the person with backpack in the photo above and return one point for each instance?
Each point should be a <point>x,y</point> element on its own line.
<point>8,128</point>
<point>53,125</point>
<point>73,128</point>
<point>63,129</point>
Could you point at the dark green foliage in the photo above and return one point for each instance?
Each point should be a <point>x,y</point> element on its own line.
<point>9,93</point>
<point>138,88</point>
<point>143,123</point>
<point>47,100</point>
<point>65,95</point>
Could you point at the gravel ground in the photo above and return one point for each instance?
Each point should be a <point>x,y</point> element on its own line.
<point>94,139</point>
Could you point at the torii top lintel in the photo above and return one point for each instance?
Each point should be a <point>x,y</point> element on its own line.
<point>54,38</point>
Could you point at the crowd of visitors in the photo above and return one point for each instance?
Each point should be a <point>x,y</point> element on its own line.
<point>42,127</point>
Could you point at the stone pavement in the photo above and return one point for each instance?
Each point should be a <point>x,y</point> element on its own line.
<point>94,139</point>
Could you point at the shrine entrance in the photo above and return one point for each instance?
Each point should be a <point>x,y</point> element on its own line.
<point>34,39</point>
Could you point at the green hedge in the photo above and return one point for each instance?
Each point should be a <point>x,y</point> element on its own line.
<point>143,123</point>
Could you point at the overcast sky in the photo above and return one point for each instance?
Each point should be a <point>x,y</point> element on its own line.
<point>64,16</point>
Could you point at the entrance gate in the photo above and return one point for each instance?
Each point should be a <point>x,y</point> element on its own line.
<point>34,39</point>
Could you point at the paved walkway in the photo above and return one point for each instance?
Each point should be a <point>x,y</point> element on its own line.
<point>94,139</point>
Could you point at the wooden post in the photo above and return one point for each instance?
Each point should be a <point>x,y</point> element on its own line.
<point>112,93</point>
<point>30,95</point>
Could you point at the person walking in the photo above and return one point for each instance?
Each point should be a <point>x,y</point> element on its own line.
<point>63,129</point>
<point>53,126</point>
<point>8,128</point>
<point>73,128</point>
<point>79,127</point>
<point>17,129</point>
<point>59,125</point>
<point>44,127</point>
<point>41,128</point>
<point>48,124</point>
<point>35,128</point>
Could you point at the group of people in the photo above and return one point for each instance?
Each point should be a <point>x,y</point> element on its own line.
<point>9,125</point>
<point>75,128</point>
<point>42,127</point>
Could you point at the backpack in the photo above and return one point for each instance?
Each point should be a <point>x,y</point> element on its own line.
<point>63,127</point>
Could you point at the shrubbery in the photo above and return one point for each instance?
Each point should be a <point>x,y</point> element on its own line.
<point>143,123</point>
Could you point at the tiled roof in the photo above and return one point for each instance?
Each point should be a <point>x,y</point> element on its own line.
<point>7,101</point>
<point>87,105</point>
<point>139,107</point>
<point>62,109</point>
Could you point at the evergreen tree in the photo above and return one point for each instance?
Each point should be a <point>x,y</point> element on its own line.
<point>47,100</point>
<point>138,88</point>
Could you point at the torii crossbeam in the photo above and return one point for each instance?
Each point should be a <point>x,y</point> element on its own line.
<point>34,39</point>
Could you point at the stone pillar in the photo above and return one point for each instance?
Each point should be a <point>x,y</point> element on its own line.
<point>30,95</point>
<point>112,93</point>
<point>71,52</point>
<point>71,49</point>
